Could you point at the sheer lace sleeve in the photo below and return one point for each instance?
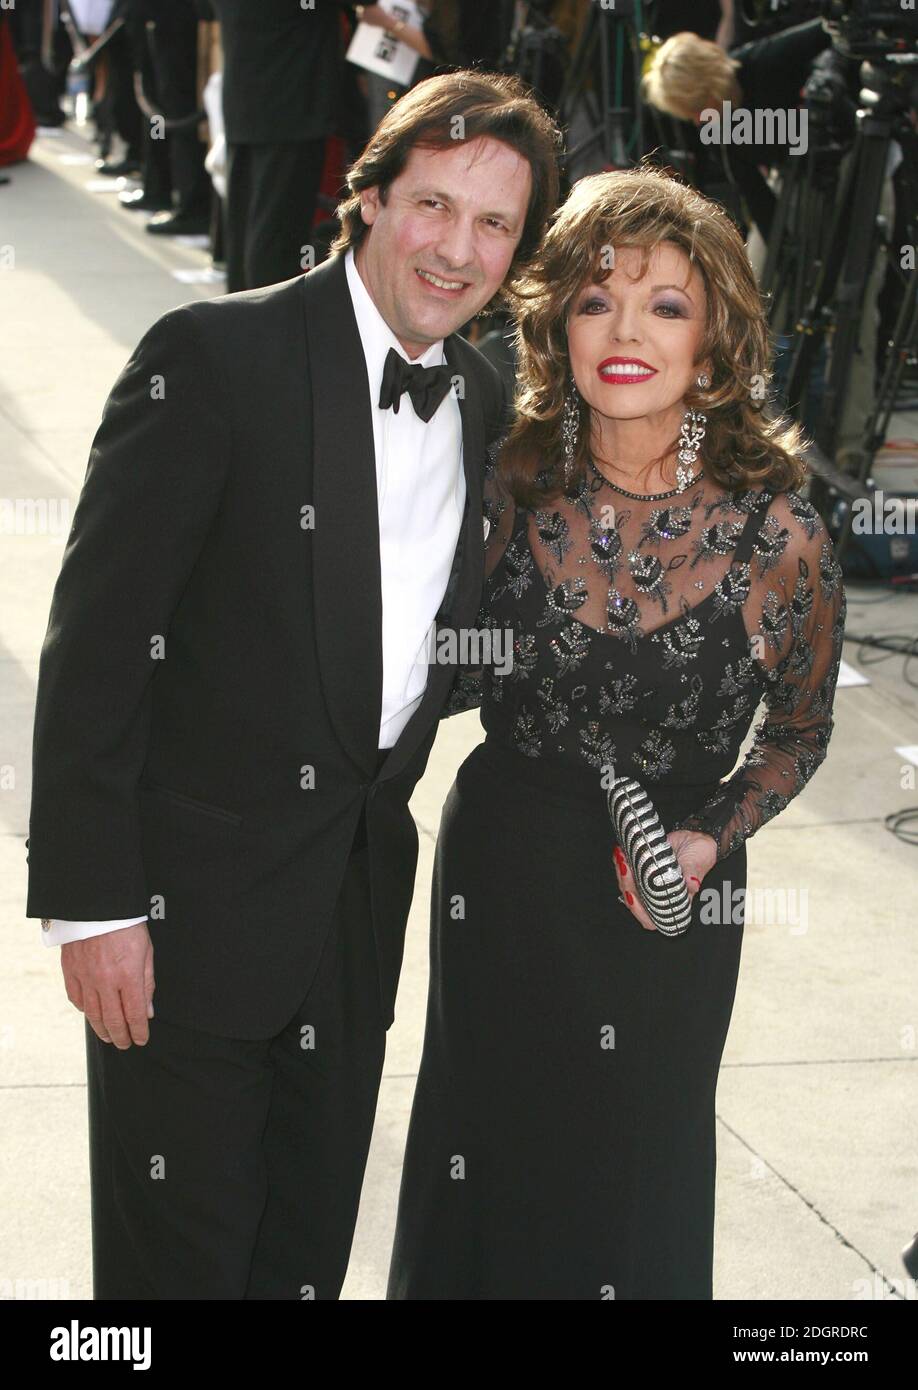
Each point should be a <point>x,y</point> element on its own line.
<point>497,522</point>
<point>795,617</point>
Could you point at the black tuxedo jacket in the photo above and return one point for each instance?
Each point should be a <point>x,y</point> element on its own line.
<point>210,684</point>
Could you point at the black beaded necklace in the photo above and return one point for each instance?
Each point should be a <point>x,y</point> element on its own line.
<point>645,496</point>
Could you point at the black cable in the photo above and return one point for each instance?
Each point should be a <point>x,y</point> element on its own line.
<point>891,644</point>
<point>894,824</point>
<point>862,598</point>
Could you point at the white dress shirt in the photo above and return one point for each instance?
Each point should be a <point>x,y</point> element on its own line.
<point>420,485</point>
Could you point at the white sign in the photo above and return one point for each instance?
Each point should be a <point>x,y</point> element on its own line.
<point>849,675</point>
<point>378,51</point>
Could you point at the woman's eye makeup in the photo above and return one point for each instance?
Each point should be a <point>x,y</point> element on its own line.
<point>672,308</point>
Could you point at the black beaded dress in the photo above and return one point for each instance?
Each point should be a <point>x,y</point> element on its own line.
<point>562,1139</point>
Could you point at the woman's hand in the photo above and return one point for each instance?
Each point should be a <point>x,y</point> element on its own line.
<point>375,14</point>
<point>405,33</point>
<point>695,854</point>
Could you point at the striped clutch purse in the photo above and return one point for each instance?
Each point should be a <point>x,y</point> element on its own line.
<point>654,867</point>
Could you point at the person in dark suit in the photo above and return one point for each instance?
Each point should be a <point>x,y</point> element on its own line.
<point>239,689</point>
<point>171,28</point>
<point>281,83</point>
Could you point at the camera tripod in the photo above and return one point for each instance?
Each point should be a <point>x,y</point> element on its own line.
<point>606,28</point>
<point>836,303</point>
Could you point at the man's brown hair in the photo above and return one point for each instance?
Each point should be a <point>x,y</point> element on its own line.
<point>463,105</point>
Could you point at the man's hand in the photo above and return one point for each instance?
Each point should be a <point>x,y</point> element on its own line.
<point>110,978</point>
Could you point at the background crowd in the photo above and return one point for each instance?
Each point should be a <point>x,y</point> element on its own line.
<point>238,120</point>
<point>235,121</point>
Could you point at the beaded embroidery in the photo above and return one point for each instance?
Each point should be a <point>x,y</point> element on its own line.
<point>612,610</point>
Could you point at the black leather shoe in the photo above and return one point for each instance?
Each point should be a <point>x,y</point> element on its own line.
<point>138,201</point>
<point>121,168</point>
<point>178,224</point>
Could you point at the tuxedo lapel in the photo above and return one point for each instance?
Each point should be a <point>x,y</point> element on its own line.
<point>468,561</point>
<point>460,601</point>
<point>347,582</point>
<point>346,579</point>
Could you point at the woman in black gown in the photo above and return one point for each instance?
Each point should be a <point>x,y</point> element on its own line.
<point>562,1140</point>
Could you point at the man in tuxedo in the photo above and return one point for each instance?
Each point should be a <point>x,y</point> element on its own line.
<point>238,693</point>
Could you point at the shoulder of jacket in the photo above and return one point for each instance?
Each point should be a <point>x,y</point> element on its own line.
<point>487,375</point>
<point>220,323</point>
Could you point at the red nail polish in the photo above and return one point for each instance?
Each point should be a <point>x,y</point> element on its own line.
<point>628,898</point>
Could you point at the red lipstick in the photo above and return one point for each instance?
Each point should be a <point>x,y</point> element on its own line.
<point>625,371</point>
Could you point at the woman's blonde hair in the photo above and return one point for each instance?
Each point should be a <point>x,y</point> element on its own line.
<point>644,208</point>
<point>688,74</point>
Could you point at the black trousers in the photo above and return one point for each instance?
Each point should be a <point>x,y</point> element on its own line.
<point>173,50</point>
<point>121,112</point>
<point>271,193</point>
<point>157,172</point>
<point>224,1168</point>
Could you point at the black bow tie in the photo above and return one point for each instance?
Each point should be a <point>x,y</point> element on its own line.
<point>426,386</point>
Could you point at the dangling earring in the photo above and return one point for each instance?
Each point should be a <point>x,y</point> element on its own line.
<point>691,433</point>
<point>570,430</point>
